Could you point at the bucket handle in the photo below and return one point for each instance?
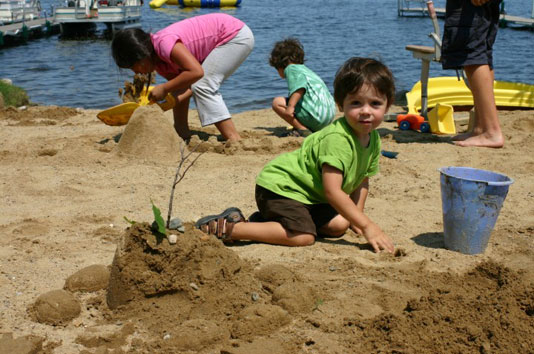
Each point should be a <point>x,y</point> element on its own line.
<point>500,183</point>
<point>489,183</point>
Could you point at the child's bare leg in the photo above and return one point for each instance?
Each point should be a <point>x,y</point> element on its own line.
<point>487,130</point>
<point>270,232</point>
<point>227,129</point>
<point>181,113</point>
<point>279,107</point>
<point>335,227</point>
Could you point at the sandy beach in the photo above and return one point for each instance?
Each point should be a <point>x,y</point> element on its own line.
<point>68,182</point>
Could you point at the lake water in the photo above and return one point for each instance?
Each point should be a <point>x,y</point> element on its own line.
<point>81,73</point>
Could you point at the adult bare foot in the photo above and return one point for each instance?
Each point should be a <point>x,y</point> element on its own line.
<point>482,140</point>
<point>463,136</point>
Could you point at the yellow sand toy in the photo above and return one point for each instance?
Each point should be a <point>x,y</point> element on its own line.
<point>441,119</point>
<point>120,114</point>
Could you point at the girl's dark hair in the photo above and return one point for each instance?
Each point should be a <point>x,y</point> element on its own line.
<point>131,45</point>
<point>289,50</point>
<point>356,72</point>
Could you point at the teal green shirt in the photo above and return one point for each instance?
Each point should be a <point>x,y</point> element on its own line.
<point>298,174</point>
<point>316,109</point>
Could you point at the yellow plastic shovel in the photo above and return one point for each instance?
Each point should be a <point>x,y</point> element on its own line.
<point>120,114</point>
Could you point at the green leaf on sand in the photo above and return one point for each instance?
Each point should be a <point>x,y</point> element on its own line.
<point>158,219</point>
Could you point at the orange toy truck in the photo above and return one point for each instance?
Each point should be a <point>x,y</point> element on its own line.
<point>413,122</point>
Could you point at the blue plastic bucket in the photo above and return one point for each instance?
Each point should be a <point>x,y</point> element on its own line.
<point>471,200</point>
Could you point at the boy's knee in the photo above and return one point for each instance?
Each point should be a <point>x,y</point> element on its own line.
<point>303,240</point>
<point>336,227</point>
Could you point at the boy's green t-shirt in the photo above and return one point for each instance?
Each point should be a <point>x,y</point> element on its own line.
<point>317,107</point>
<point>298,174</point>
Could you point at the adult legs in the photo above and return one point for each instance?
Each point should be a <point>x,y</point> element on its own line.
<point>487,130</point>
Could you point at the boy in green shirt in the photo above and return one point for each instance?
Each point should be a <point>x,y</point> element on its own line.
<point>309,105</point>
<point>321,188</point>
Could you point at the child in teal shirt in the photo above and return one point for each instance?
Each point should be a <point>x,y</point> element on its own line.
<point>309,105</point>
<point>321,188</point>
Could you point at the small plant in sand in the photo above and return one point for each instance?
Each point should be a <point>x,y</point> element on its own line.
<point>159,226</point>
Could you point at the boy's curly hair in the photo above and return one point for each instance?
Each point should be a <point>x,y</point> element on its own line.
<point>356,72</point>
<point>288,51</point>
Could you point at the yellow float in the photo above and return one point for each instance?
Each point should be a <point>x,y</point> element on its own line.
<point>450,91</point>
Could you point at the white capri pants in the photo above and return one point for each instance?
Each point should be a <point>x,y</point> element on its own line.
<point>218,66</point>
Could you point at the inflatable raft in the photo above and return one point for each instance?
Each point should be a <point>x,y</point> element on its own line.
<point>450,91</point>
<point>195,3</point>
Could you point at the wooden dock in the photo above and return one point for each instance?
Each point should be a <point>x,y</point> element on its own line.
<point>21,32</point>
<point>516,21</point>
<point>418,11</point>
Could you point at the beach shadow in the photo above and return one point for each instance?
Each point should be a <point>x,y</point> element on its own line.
<point>239,243</point>
<point>275,131</point>
<point>115,138</point>
<point>430,240</point>
<point>411,136</point>
<point>205,136</point>
<point>331,241</point>
<point>343,242</point>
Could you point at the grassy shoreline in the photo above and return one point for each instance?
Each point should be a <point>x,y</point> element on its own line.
<point>12,95</point>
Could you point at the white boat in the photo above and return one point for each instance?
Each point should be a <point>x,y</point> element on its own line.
<point>74,15</point>
<point>14,11</point>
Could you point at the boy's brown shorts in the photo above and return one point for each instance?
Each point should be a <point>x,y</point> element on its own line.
<point>292,214</point>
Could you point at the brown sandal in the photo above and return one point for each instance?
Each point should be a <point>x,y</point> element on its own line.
<point>220,225</point>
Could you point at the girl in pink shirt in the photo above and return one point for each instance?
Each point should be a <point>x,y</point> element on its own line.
<point>195,55</point>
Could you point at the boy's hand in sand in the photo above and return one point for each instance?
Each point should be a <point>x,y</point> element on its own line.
<point>377,238</point>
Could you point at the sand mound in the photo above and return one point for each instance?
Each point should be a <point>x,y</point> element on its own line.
<point>88,279</point>
<point>55,307</point>
<point>250,143</point>
<point>37,115</point>
<point>149,135</point>
<point>197,292</point>
<point>490,308</point>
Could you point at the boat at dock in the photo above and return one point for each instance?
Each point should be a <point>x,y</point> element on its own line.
<point>79,16</point>
<point>22,20</point>
<point>14,11</point>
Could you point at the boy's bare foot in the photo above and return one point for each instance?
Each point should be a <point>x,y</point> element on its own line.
<point>482,140</point>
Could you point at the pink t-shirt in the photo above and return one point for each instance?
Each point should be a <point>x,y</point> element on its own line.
<point>200,34</point>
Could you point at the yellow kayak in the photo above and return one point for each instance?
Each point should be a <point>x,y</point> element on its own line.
<point>450,91</point>
<point>120,114</point>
